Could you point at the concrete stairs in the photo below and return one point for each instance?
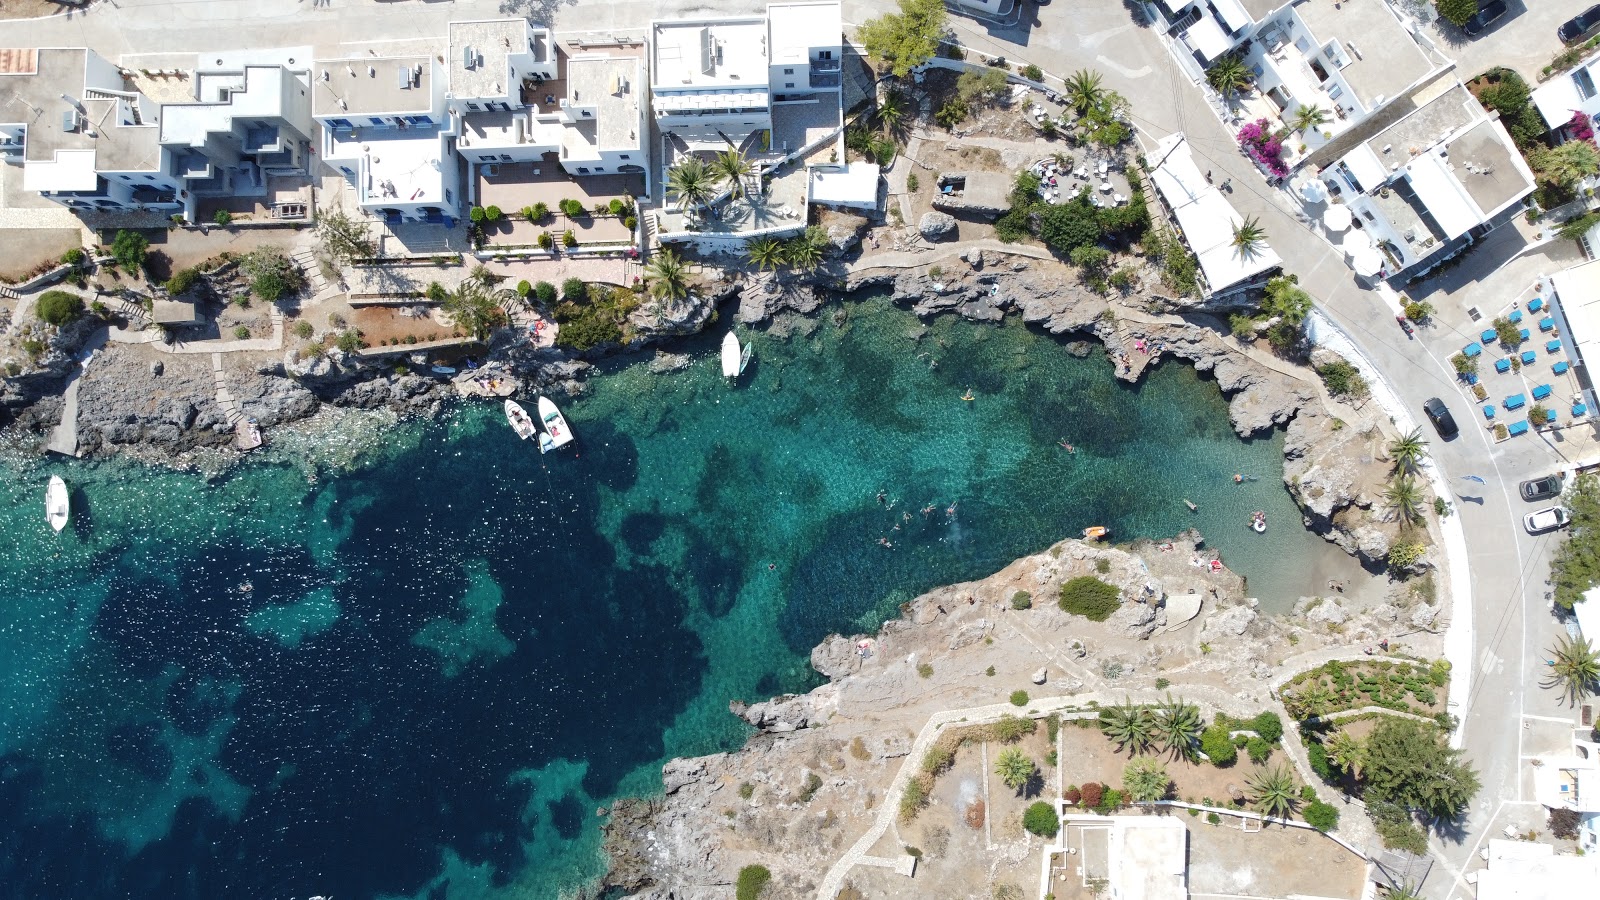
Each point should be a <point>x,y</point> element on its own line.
<point>321,288</point>
<point>8,293</point>
<point>230,406</point>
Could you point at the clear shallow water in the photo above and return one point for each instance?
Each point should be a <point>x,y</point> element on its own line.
<point>420,677</point>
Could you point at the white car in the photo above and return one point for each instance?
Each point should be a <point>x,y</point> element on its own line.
<point>1548,519</point>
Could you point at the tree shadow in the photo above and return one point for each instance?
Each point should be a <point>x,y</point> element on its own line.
<point>540,12</point>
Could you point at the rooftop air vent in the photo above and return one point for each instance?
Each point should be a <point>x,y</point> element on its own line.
<point>405,78</point>
<point>469,58</point>
<point>324,74</point>
<point>372,72</point>
<point>69,120</point>
<point>343,105</point>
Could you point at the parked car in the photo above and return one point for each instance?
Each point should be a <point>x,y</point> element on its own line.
<point>1579,25</point>
<point>1488,14</point>
<point>1548,519</point>
<point>1439,415</point>
<point>1541,488</point>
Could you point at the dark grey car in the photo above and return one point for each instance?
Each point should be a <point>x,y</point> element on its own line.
<point>1540,488</point>
<point>1439,415</point>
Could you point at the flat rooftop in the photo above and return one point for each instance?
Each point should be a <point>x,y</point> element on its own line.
<point>1260,9</point>
<point>373,86</point>
<point>257,92</point>
<point>614,85</point>
<point>400,165</point>
<point>795,28</point>
<point>492,44</point>
<point>1385,60</point>
<point>1486,164</point>
<point>1431,123</point>
<point>710,53</point>
<point>34,98</point>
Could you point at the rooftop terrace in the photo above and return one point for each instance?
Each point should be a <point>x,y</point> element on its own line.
<point>492,44</point>
<point>710,53</point>
<point>373,86</point>
<point>611,84</point>
<point>1384,58</point>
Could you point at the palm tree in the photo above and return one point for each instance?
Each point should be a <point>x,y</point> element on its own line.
<point>1575,668</point>
<point>1405,498</point>
<point>1229,75</point>
<point>1129,725</point>
<point>805,252</point>
<point>892,113</point>
<point>765,253</point>
<point>1014,768</point>
<point>1408,450</point>
<point>1273,791</point>
<point>1348,752</point>
<point>1316,699</point>
<point>1178,727</point>
<point>1309,117</point>
<point>730,165</point>
<point>1084,91</point>
<point>691,182</point>
<point>668,276</point>
<point>475,305</point>
<point>1248,237</point>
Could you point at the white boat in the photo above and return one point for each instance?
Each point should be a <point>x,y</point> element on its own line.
<point>556,433</point>
<point>744,357</point>
<point>730,356</point>
<point>520,421</point>
<point>57,503</point>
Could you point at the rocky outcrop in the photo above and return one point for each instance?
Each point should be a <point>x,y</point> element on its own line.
<point>767,295</point>
<point>937,226</point>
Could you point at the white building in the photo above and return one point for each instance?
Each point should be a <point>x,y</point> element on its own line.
<point>386,126</point>
<point>83,136</point>
<point>1206,219</point>
<point>489,63</point>
<point>709,80</point>
<point>853,186</point>
<point>1433,182</point>
<point>1522,870</point>
<point>1570,92</point>
<point>1141,857</point>
<point>805,40</point>
<point>250,121</point>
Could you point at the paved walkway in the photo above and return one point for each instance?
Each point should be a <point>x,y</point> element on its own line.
<point>930,254</point>
<point>64,437</point>
<point>154,338</point>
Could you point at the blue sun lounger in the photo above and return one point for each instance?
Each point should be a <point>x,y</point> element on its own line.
<point>1553,347</point>
<point>1536,304</point>
<point>1517,428</point>
<point>1579,409</point>
<point>1528,356</point>
<point>1548,323</point>
<point>1516,401</point>
<point>1488,335</point>
<point>1560,368</point>
<point>1515,317</point>
<point>1488,410</point>
<point>1542,391</point>
<point>1502,365</point>
<point>1524,334</point>
<point>1472,349</point>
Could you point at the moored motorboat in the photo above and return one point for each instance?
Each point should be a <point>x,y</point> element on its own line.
<point>57,503</point>
<point>520,421</point>
<point>730,356</point>
<point>556,433</point>
<point>1095,532</point>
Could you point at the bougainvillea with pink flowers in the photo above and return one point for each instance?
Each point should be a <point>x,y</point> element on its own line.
<point>1580,128</point>
<point>1263,146</point>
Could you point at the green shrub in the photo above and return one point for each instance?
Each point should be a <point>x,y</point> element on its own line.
<point>241,332</point>
<point>810,788</point>
<point>913,799</point>
<point>1213,818</point>
<point>182,281</point>
<point>630,222</point>
<point>1321,816</point>
<point>1319,760</point>
<point>1040,818</point>
<point>1404,555</point>
<point>1457,12</point>
<point>1067,226</point>
<point>1269,726</point>
<point>545,291</point>
<point>59,307</point>
<point>1102,566</point>
<point>540,212</point>
<point>1258,749</point>
<point>436,292</point>
<point>1090,597</point>
<point>1215,743</point>
<point>746,790</point>
<point>575,289</point>
<point>1009,729</point>
<point>615,207</point>
<point>223,218</point>
<point>989,671</point>
<point>73,257</point>
<point>568,239</point>
<point>924,670</point>
<point>1033,73</point>
<point>1021,600</point>
<point>952,113</point>
<point>350,340</point>
<point>752,881</point>
<point>477,214</point>
<point>912,182</point>
<point>304,329</point>
<point>130,248</point>
<point>1343,379</point>
<point>524,288</point>
<point>1019,698</point>
<point>545,241</point>
<point>491,213</point>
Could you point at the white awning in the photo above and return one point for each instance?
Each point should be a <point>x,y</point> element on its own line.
<point>1207,219</point>
<point>1366,167</point>
<point>1367,262</point>
<point>1578,292</point>
<point>1337,217</point>
<point>1444,196</point>
<point>1207,37</point>
<point>1588,614</point>
<point>1233,14</point>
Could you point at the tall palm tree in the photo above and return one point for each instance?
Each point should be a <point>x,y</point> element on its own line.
<point>892,113</point>
<point>1348,752</point>
<point>1229,75</point>
<point>805,252</point>
<point>691,182</point>
<point>1130,726</point>
<point>668,276</point>
<point>1248,237</point>
<point>1273,791</point>
<point>1014,768</point>
<point>1575,669</point>
<point>1084,91</point>
<point>1408,450</point>
<point>1178,727</point>
<point>765,253</point>
<point>732,167</point>
<point>1404,496</point>
<point>1308,117</point>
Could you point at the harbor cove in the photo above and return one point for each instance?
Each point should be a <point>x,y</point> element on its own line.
<point>379,657</point>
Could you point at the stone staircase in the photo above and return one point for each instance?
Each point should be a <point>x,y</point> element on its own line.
<point>230,406</point>
<point>321,288</point>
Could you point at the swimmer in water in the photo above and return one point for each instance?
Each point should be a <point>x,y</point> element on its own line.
<point>928,510</point>
<point>950,510</point>
<point>968,396</point>
<point>1238,479</point>
<point>882,496</point>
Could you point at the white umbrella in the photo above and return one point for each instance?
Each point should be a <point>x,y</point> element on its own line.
<point>1337,217</point>
<point>1314,191</point>
<point>1355,242</point>
<point>1368,262</point>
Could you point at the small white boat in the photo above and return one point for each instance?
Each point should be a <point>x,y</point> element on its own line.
<point>556,433</point>
<point>57,503</point>
<point>520,421</point>
<point>444,370</point>
<point>744,357</point>
<point>730,356</point>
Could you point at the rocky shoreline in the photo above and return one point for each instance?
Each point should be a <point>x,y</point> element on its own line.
<point>815,774</point>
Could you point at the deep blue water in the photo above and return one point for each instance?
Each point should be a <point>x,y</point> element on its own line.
<point>411,660</point>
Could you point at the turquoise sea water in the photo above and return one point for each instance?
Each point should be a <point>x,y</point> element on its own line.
<point>420,674</point>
